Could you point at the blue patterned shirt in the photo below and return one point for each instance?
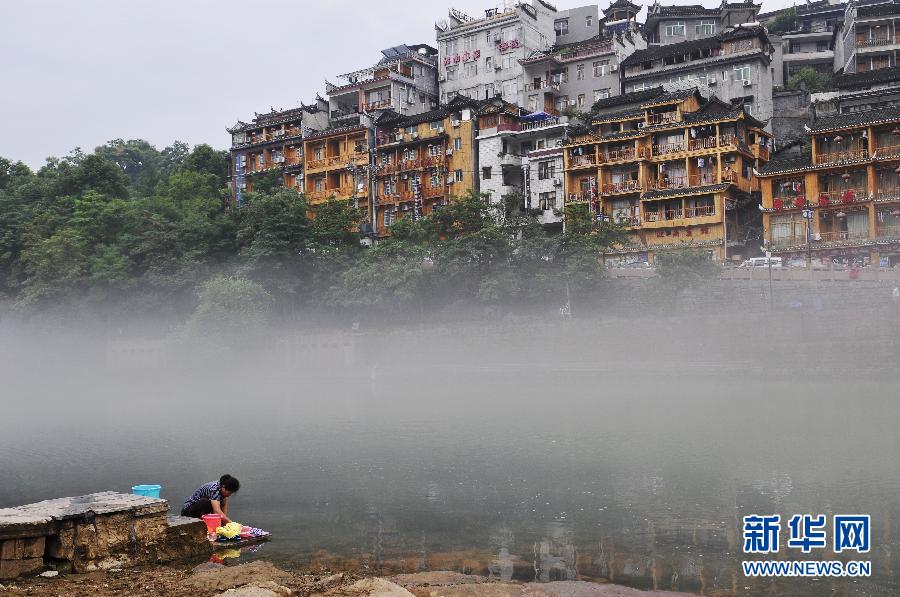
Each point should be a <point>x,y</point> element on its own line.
<point>207,491</point>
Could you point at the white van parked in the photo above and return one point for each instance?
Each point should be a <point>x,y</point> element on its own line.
<point>763,262</point>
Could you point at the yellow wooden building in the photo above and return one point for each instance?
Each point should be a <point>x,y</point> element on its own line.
<point>846,188</point>
<point>423,161</point>
<point>672,168</point>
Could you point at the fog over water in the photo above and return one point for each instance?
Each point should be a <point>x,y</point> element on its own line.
<point>605,449</point>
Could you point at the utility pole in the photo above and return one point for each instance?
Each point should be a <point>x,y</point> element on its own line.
<point>807,215</point>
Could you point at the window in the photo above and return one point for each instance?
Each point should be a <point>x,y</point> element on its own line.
<point>489,91</point>
<point>705,27</point>
<point>434,150</point>
<point>451,74</point>
<point>580,100</point>
<point>748,107</point>
<point>487,36</point>
<point>320,185</point>
<point>675,30</point>
<point>436,125</point>
<point>486,173</point>
<point>600,94</point>
<point>639,87</point>
<point>541,144</point>
<point>589,21</point>
<point>579,72</point>
<point>458,175</point>
<point>457,143</point>
<point>546,170</point>
<point>508,61</point>
<point>488,64</point>
<point>601,67</point>
<point>317,154</point>
<point>561,26</point>
<point>511,33</point>
<point>510,91</point>
<point>389,187</point>
<point>261,160</point>
<point>742,72</point>
<point>472,69</point>
<point>562,103</point>
<point>532,102</point>
<point>548,200</point>
<point>390,216</point>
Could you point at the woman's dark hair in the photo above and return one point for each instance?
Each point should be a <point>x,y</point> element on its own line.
<point>229,483</point>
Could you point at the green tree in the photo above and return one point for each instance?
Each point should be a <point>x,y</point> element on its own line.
<point>230,308</point>
<point>336,222</point>
<point>683,269</point>
<point>785,21</point>
<point>810,79</point>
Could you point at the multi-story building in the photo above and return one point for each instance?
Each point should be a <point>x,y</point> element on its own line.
<point>577,75</point>
<point>841,201</point>
<point>520,155</point>
<point>336,165</point>
<point>735,64</point>
<point>479,58</point>
<point>667,24</point>
<point>272,142</point>
<point>675,170</point>
<point>404,80</point>
<point>870,40</point>
<point>810,44</point>
<point>422,161</point>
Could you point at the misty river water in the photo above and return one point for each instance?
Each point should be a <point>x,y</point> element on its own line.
<point>641,481</point>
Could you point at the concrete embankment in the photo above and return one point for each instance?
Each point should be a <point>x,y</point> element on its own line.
<point>261,579</point>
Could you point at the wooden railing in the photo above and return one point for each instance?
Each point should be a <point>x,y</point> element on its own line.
<point>579,197</point>
<point>845,196</point>
<point>677,214</point>
<point>699,180</point>
<point>672,182</point>
<point>888,231</point>
<point>664,118</point>
<point>728,139</point>
<point>704,143</point>
<point>620,155</point>
<point>837,157</point>
<point>667,148</point>
<point>699,212</point>
<point>888,151</point>
<point>579,161</point>
<point>625,186</point>
<point>378,105</point>
<point>875,41</point>
<point>887,194</point>
<point>830,237</point>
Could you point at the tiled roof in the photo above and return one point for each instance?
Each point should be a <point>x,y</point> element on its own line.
<point>867,78</point>
<point>843,121</point>
<point>783,164</point>
<point>622,4</point>
<point>618,115</point>
<point>879,10</point>
<point>627,98</point>
<point>622,135</point>
<point>820,6</point>
<point>687,47</point>
<point>661,194</point>
<point>688,10</point>
<point>335,131</point>
<point>672,96</point>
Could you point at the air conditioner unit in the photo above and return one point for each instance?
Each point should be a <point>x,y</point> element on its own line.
<point>440,129</point>
<point>614,68</point>
<point>711,81</point>
<point>442,79</point>
<point>573,103</point>
<point>497,38</point>
<point>498,66</point>
<point>449,152</point>
<point>747,83</point>
<point>457,123</point>
<point>642,125</point>
<point>557,182</point>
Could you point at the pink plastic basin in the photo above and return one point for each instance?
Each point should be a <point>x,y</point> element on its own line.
<point>245,532</point>
<point>213,521</point>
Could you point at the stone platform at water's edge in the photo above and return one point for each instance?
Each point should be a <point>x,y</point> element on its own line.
<point>90,532</point>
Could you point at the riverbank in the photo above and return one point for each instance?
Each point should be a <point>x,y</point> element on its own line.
<point>262,579</point>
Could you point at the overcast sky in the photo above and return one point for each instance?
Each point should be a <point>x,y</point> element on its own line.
<point>79,73</point>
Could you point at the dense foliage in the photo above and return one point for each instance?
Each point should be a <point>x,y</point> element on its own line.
<point>810,79</point>
<point>785,21</point>
<point>130,230</point>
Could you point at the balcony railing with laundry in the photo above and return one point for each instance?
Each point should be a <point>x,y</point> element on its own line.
<point>582,161</point>
<point>667,148</point>
<point>663,118</point>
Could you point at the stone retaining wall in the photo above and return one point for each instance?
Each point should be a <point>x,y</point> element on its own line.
<point>92,532</point>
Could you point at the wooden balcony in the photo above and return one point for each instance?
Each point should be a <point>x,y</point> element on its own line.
<point>678,217</point>
<point>582,161</point>
<point>704,143</point>
<point>887,152</point>
<point>888,231</point>
<point>672,182</point>
<point>625,186</point>
<point>873,42</point>
<point>667,148</point>
<point>376,105</point>
<point>887,194</point>
<point>841,236</point>
<point>664,118</point>
<point>620,155</point>
<point>579,198</point>
<point>844,197</point>
<point>840,157</point>
<point>699,180</point>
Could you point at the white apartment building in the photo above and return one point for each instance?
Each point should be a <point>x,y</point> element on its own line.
<point>479,58</point>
